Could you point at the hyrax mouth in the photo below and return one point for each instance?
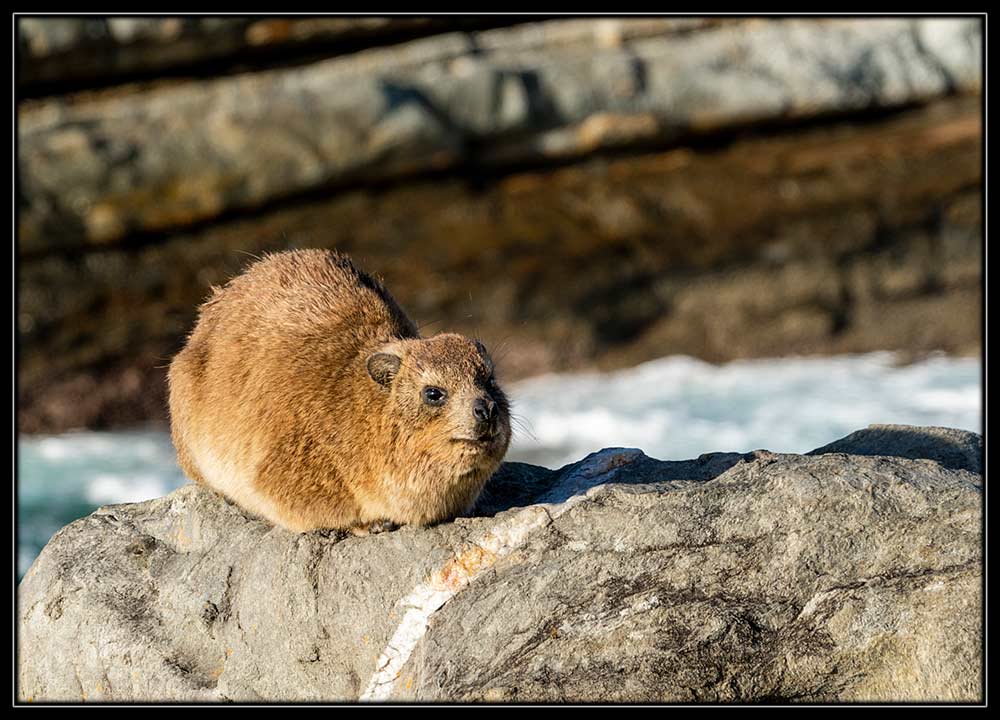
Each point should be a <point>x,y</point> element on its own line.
<point>485,442</point>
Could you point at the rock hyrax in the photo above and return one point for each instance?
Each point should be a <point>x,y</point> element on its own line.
<point>306,395</point>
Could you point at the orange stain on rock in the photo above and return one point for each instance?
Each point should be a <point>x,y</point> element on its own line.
<point>459,571</point>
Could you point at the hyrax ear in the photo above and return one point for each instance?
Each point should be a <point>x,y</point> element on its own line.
<point>382,367</point>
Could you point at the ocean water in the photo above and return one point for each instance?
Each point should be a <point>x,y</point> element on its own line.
<point>673,408</point>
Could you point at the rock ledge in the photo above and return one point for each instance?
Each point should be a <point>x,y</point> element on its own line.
<point>852,573</point>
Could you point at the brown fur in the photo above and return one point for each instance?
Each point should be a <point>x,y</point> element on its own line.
<point>272,402</point>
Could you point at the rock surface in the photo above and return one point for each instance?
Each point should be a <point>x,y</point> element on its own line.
<point>854,574</point>
<point>93,172</point>
<point>73,51</point>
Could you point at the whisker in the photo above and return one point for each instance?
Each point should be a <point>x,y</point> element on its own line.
<point>500,355</point>
<point>498,351</point>
<point>517,431</point>
<point>521,423</point>
<point>521,419</point>
<point>432,322</point>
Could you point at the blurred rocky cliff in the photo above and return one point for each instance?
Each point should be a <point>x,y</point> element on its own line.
<point>578,192</point>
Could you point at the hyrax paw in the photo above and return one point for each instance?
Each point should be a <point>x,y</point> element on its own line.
<point>330,533</point>
<point>374,528</point>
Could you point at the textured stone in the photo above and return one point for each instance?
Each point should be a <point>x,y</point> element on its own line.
<point>66,52</point>
<point>849,575</point>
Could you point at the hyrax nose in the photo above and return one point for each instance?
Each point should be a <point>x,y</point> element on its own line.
<point>483,410</point>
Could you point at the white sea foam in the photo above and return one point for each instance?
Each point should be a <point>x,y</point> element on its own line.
<point>63,477</point>
<point>674,408</point>
<point>104,467</point>
<point>106,488</point>
<point>679,407</point>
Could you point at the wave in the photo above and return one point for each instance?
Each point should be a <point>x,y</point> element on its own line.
<point>679,407</point>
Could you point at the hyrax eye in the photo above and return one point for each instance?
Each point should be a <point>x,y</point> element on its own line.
<point>434,395</point>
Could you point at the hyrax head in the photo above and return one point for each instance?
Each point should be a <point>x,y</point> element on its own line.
<point>446,398</point>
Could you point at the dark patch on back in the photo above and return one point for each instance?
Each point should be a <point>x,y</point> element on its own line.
<point>197,355</point>
<point>343,263</point>
<point>404,326</point>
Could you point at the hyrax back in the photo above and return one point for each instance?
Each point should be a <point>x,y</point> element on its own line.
<point>306,395</point>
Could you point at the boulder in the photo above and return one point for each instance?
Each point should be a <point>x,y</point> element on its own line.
<point>851,574</point>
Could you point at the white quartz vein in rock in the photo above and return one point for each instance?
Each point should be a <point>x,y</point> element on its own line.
<point>480,555</point>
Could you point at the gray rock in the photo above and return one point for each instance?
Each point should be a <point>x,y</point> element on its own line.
<point>951,448</point>
<point>754,577</point>
<point>77,51</point>
<point>95,170</point>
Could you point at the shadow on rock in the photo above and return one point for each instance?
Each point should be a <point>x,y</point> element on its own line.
<point>953,449</point>
<point>520,484</point>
